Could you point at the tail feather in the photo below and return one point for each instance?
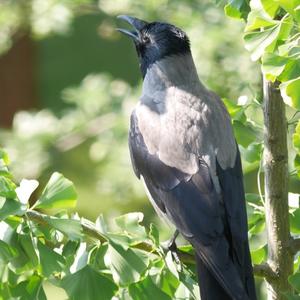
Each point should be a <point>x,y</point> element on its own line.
<point>223,282</point>
<point>210,289</point>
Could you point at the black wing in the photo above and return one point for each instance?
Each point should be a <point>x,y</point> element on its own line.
<point>216,226</point>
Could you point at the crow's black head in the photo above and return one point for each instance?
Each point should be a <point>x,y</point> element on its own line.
<point>155,41</point>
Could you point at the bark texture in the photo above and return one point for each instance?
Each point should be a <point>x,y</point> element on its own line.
<point>280,259</point>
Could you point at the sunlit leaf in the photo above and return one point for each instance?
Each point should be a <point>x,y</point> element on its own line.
<point>11,207</point>
<point>146,289</point>
<point>271,7</point>
<point>237,9</point>
<point>290,92</point>
<point>273,65</point>
<point>258,227</point>
<point>257,41</point>
<point>296,137</point>
<point>4,160</point>
<point>26,188</point>
<point>237,112</point>
<point>167,282</point>
<point>295,221</point>
<point>259,255</point>
<point>58,193</point>
<point>97,257</point>
<point>297,164</point>
<point>290,6</point>
<point>7,188</point>
<point>125,264</point>
<point>258,17</point>
<point>88,284</point>
<point>154,234</point>
<point>80,259</point>
<point>7,252</point>
<point>71,228</point>
<point>130,224</point>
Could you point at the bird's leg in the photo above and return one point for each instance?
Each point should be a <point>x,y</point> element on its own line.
<point>173,247</point>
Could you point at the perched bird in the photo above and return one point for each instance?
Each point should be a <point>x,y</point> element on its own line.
<point>182,147</point>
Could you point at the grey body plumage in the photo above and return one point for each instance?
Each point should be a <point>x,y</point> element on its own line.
<point>182,145</point>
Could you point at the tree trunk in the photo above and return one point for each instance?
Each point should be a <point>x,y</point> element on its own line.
<point>17,79</point>
<point>280,258</point>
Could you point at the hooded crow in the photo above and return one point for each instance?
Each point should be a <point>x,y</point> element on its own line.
<point>183,148</point>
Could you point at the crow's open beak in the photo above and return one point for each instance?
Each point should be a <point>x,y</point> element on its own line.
<point>137,24</point>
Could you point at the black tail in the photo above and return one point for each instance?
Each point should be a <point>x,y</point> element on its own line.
<point>210,289</point>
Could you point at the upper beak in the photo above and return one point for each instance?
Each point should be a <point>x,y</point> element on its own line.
<point>137,24</point>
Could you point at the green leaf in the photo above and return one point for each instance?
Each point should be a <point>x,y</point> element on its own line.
<point>125,264</point>
<point>258,227</point>
<point>290,92</point>
<point>50,260</point>
<point>30,248</point>
<point>291,70</point>
<point>31,289</point>
<point>273,65</point>
<point>244,133</point>
<point>271,7</point>
<point>237,112</point>
<point>237,9</point>
<point>258,17</point>
<point>97,257</point>
<point>4,161</point>
<point>4,157</point>
<point>80,259</point>
<point>7,188</point>
<point>7,252</point>
<point>26,188</point>
<point>88,284</point>
<point>295,221</point>
<point>296,137</point>
<point>154,235</point>
<point>290,6</point>
<point>252,153</point>
<point>256,42</point>
<point>11,207</point>
<point>130,225</point>
<point>259,255</point>
<point>58,193</point>
<point>71,228</point>
<point>167,282</point>
<point>294,280</point>
<point>146,289</point>
<point>297,164</point>
<point>253,198</point>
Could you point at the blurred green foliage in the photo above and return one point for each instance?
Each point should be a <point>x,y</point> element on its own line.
<point>88,83</point>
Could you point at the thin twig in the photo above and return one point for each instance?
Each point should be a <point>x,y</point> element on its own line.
<point>264,270</point>
<point>91,231</point>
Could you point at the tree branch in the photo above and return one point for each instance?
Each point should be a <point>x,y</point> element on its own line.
<point>89,229</point>
<point>276,190</point>
<point>264,270</point>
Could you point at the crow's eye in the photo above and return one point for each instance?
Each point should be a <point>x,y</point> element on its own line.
<point>146,39</point>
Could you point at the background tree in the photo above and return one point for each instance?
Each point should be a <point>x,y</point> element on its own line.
<point>84,136</point>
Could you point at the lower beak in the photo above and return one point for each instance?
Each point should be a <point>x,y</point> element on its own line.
<point>137,24</point>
